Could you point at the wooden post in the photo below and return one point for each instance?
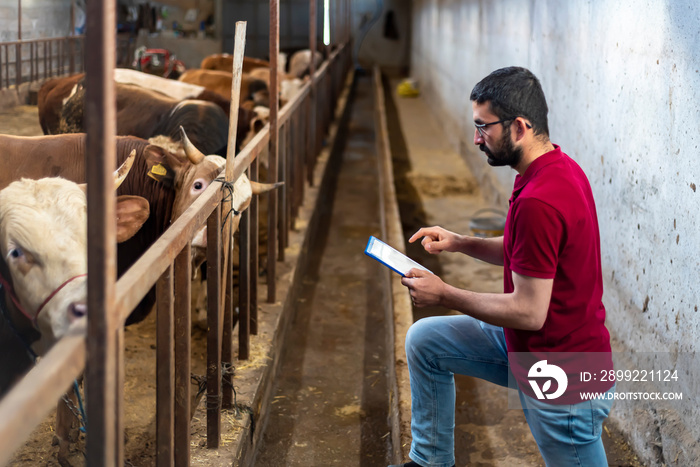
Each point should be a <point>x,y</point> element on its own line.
<point>238,50</point>
<point>273,154</point>
<point>103,446</point>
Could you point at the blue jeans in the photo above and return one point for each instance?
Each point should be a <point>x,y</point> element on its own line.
<point>440,346</point>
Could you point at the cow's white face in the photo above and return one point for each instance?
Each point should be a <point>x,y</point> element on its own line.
<point>242,195</point>
<point>43,240</point>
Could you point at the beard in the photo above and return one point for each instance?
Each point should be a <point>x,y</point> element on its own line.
<point>505,154</point>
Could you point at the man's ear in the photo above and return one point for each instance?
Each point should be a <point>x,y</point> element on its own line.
<point>522,127</point>
<point>132,212</point>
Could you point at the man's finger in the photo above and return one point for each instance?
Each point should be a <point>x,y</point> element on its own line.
<point>416,235</point>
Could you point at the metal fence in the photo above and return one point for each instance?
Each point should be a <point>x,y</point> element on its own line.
<point>294,138</point>
<point>38,59</point>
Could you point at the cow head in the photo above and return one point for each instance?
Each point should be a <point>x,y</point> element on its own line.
<point>195,175</point>
<point>43,242</point>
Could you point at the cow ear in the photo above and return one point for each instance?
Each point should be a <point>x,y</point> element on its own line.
<point>132,212</point>
<point>161,164</point>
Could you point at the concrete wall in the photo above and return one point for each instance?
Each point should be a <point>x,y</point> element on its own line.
<point>375,42</point>
<point>40,18</point>
<point>622,80</point>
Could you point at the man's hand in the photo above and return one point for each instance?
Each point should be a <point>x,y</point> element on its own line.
<point>436,239</point>
<point>426,289</point>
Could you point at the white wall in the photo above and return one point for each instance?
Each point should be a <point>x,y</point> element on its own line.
<point>40,18</point>
<point>371,46</point>
<point>622,81</point>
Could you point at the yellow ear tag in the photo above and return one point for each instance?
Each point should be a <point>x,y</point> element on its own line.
<point>158,169</point>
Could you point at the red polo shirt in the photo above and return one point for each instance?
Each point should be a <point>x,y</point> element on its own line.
<point>551,232</point>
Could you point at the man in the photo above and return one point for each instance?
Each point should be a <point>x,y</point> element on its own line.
<point>552,300</point>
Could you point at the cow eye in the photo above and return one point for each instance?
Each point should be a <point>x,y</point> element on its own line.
<point>16,253</point>
<point>199,185</point>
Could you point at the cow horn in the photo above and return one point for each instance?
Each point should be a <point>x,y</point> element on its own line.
<point>123,170</point>
<point>260,188</point>
<point>119,174</point>
<point>193,154</point>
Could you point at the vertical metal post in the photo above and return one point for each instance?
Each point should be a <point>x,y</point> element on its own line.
<point>311,126</point>
<point>283,154</point>
<point>18,52</point>
<point>214,322</point>
<point>71,43</point>
<point>254,211</point>
<point>183,355</point>
<point>289,178</point>
<point>165,370</point>
<point>244,287</point>
<point>46,58</point>
<point>273,154</point>
<point>103,443</point>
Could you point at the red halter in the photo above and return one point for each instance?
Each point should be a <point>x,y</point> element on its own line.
<point>34,320</point>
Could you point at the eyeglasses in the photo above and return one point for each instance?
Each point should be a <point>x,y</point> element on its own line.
<point>480,127</point>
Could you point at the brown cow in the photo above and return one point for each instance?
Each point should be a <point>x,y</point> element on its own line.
<point>55,91</point>
<point>50,100</point>
<point>145,113</point>
<point>224,62</point>
<point>220,83</point>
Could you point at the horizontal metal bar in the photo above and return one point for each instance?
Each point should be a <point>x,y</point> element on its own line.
<point>36,394</point>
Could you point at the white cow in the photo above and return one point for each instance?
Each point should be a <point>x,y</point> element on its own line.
<point>43,243</point>
<point>170,87</point>
<point>300,62</point>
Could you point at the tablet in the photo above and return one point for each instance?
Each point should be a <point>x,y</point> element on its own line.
<point>391,257</point>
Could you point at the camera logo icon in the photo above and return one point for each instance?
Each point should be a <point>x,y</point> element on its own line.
<point>544,371</point>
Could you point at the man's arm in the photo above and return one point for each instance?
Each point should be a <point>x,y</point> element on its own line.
<point>436,240</point>
<point>525,308</point>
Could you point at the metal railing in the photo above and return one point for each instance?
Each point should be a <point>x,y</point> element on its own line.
<point>40,59</point>
<point>167,265</point>
<point>37,59</point>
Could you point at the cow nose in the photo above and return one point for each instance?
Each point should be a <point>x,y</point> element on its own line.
<point>76,311</point>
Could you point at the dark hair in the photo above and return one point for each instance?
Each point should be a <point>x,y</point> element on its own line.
<point>514,92</point>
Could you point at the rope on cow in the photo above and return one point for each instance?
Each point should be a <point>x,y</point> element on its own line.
<point>228,187</point>
<point>32,355</point>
